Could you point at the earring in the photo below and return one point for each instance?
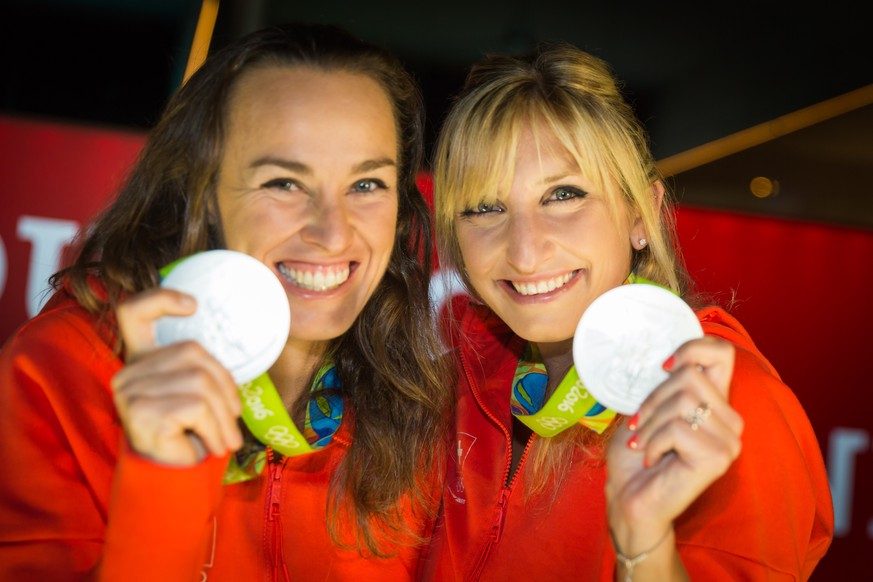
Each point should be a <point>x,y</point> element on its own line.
<point>643,242</point>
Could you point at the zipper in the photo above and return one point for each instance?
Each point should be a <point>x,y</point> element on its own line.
<point>496,530</point>
<point>509,481</point>
<point>274,516</point>
<point>474,388</point>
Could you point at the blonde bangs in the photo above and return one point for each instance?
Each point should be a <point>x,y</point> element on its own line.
<point>580,135</point>
<point>475,160</point>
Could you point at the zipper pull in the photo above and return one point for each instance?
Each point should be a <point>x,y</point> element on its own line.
<point>275,489</point>
<point>500,515</point>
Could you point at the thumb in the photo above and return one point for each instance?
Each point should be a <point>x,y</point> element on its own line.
<point>137,315</point>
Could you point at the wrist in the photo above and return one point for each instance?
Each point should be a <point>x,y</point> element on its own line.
<point>641,549</point>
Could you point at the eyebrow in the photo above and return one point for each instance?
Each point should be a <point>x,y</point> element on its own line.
<point>560,176</point>
<point>301,168</point>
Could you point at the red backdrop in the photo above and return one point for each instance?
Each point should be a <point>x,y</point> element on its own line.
<point>53,177</point>
<point>799,288</point>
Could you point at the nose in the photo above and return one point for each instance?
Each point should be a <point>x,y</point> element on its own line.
<point>329,225</point>
<point>527,243</point>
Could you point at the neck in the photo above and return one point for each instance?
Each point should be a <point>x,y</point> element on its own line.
<point>557,357</point>
<point>293,370</point>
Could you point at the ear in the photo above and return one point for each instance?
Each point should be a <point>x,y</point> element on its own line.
<point>638,231</point>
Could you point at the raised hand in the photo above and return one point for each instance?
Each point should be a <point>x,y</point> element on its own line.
<point>176,402</point>
<point>684,436</point>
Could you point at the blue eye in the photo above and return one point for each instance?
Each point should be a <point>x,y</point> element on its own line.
<point>368,185</point>
<point>567,193</point>
<point>481,208</point>
<point>282,184</point>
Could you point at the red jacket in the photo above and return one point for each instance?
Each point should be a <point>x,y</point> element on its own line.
<point>769,517</point>
<point>74,497</point>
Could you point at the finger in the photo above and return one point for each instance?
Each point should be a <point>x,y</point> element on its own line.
<point>137,315</point>
<point>711,357</point>
<point>685,388</point>
<point>190,383</point>
<point>711,447</point>
<point>683,393</point>
<point>176,429</point>
<point>714,355</point>
<point>192,363</point>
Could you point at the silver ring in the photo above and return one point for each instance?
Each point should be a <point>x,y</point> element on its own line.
<point>696,416</point>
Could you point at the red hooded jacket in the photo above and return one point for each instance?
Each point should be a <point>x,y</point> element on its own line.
<point>77,504</point>
<point>768,518</point>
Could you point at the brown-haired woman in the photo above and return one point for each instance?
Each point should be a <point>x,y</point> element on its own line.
<point>299,146</point>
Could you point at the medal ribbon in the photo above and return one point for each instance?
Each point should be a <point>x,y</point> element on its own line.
<point>266,417</point>
<point>571,403</point>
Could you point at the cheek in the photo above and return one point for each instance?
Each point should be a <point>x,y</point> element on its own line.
<point>387,230</point>
<point>474,251</point>
<point>248,229</point>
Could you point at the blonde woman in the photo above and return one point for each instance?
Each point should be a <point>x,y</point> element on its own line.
<point>546,197</point>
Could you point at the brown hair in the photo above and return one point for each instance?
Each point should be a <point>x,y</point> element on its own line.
<point>395,386</point>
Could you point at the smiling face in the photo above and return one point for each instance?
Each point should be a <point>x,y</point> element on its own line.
<point>547,247</point>
<point>308,186</point>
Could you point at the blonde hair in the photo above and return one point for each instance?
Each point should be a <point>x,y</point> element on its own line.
<point>576,97</point>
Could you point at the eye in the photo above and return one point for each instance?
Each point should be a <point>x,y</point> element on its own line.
<point>281,184</point>
<point>368,185</point>
<point>562,193</point>
<point>482,208</point>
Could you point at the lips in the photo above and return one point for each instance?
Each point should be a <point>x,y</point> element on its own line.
<point>316,278</point>
<point>542,286</point>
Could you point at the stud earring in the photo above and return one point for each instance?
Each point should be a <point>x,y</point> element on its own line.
<point>643,242</point>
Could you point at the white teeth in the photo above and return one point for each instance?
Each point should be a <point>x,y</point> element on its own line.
<point>319,280</point>
<point>544,286</point>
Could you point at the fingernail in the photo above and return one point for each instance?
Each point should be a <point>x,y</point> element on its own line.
<point>634,421</point>
<point>646,462</point>
<point>667,365</point>
<point>632,442</point>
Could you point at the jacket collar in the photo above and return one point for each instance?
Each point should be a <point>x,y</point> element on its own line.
<point>489,353</point>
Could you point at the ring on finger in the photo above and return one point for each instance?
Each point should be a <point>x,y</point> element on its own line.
<point>696,416</point>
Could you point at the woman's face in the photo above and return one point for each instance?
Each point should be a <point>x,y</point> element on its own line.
<point>548,247</point>
<point>308,186</point>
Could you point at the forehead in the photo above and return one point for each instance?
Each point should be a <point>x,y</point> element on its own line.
<point>277,90</point>
<point>273,106</point>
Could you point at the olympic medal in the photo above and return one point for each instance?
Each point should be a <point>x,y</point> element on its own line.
<point>242,316</point>
<point>623,339</point>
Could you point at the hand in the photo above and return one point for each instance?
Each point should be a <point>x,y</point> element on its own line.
<point>684,437</point>
<point>176,402</point>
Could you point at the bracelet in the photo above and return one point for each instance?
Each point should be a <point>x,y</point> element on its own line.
<point>630,563</point>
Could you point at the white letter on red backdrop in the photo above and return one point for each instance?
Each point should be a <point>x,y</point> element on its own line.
<point>48,237</point>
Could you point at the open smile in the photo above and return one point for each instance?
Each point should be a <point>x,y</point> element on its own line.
<point>543,286</point>
<point>319,278</point>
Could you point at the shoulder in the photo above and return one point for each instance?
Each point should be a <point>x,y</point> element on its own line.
<point>778,483</point>
<point>60,346</point>
<point>62,320</point>
<point>757,387</point>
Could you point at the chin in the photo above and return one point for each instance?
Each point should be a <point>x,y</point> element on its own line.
<point>544,333</point>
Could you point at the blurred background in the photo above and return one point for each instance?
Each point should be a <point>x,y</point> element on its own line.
<point>760,113</point>
<point>696,72</point>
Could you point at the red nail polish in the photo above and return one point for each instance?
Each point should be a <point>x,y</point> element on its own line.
<point>632,442</point>
<point>669,363</point>
<point>634,421</point>
<point>646,463</point>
